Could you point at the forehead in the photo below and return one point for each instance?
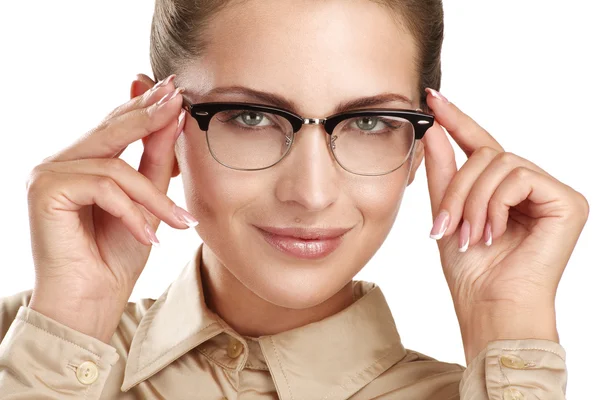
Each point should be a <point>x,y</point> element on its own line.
<point>317,53</point>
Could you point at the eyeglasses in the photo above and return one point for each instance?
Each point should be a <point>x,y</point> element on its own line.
<point>251,137</point>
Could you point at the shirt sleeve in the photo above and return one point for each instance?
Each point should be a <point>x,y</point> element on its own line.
<point>516,370</point>
<point>43,359</point>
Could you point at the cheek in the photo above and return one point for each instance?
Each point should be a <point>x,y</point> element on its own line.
<point>379,198</point>
<point>214,193</point>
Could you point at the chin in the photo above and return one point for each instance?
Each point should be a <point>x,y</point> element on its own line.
<point>287,280</point>
<point>298,283</point>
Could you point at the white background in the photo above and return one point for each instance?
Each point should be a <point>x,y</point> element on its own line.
<point>528,71</point>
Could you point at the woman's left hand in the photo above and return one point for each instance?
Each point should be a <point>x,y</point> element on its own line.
<point>510,231</point>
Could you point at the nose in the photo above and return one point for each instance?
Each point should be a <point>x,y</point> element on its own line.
<point>309,173</point>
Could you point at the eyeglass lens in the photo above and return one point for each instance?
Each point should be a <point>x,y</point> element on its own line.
<point>244,139</point>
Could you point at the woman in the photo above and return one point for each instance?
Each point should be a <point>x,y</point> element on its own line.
<point>291,195</point>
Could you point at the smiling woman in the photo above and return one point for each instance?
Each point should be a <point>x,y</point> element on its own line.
<point>296,128</point>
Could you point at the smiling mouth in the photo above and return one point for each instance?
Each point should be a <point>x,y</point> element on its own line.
<point>304,243</point>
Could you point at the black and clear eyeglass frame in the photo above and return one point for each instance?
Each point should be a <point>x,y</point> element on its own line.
<point>204,112</point>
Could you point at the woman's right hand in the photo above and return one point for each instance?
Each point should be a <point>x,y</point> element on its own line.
<point>93,217</point>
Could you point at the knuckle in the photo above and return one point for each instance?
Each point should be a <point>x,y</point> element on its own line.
<point>49,159</point>
<point>116,166</point>
<point>105,184</point>
<point>521,173</point>
<point>37,181</point>
<point>487,152</point>
<point>582,204</point>
<point>37,169</point>
<point>506,158</point>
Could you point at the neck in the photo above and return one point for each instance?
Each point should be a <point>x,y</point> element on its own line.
<point>250,315</point>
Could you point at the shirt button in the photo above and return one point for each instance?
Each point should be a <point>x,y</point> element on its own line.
<point>513,394</point>
<point>514,362</point>
<point>87,373</point>
<point>235,348</point>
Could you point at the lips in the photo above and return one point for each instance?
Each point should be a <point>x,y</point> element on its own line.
<point>305,243</point>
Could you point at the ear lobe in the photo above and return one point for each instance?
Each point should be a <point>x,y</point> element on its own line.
<point>417,160</point>
<point>140,85</point>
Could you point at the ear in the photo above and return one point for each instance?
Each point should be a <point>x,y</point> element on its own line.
<point>417,160</point>
<point>141,84</point>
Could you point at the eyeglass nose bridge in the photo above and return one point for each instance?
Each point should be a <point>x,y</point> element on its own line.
<point>314,121</point>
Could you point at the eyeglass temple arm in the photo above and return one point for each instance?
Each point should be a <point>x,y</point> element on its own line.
<point>187,105</point>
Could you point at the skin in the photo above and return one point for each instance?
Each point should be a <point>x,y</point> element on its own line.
<point>255,288</point>
<point>88,225</point>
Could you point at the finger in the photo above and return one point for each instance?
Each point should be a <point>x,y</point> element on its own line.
<point>440,166</point>
<point>549,197</point>
<point>139,89</point>
<point>461,186</point>
<point>124,129</point>
<point>146,98</point>
<point>138,187</point>
<point>497,168</point>
<point>80,190</point>
<point>464,130</point>
<point>158,159</point>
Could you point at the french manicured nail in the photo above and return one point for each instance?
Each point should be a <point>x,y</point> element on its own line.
<point>180,119</point>
<point>440,225</point>
<point>184,216</point>
<point>160,84</point>
<point>488,234</point>
<point>465,233</point>
<point>437,95</point>
<point>152,236</point>
<point>165,81</point>
<point>170,96</point>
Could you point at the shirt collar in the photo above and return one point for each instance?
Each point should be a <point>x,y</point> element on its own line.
<point>350,348</point>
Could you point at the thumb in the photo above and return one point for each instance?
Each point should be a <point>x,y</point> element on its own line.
<point>440,164</point>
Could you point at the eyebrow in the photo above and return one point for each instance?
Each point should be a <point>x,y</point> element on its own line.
<point>282,102</point>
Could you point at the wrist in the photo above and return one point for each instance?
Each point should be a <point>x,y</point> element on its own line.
<point>92,318</point>
<point>481,325</point>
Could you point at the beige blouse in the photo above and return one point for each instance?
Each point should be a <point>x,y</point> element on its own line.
<point>174,347</point>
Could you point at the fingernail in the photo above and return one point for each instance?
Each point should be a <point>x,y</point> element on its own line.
<point>165,81</point>
<point>437,95</point>
<point>465,233</point>
<point>169,96</point>
<point>440,225</point>
<point>152,236</point>
<point>184,216</point>
<point>180,119</point>
<point>180,122</point>
<point>488,234</point>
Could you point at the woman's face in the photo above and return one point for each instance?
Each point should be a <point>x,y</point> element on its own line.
<point>317,55</point>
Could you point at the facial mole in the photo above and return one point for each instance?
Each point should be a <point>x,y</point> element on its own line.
<point>298,220</point>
